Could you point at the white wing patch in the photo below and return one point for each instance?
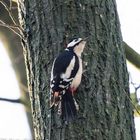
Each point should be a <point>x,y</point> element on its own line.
<point>69,69</point>
<point>67,80</point>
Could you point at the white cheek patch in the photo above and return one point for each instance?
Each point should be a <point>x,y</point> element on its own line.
<point>69,69</point>
<point>79,49</point>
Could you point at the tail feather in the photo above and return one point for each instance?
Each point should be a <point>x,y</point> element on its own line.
<point>69,111</point>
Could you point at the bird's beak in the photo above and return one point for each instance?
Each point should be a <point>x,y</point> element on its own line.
<point>85,39</point>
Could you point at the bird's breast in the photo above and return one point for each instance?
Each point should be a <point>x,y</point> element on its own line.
<point>77,79</point>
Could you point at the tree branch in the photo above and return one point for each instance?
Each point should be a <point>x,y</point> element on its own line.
<point>11,27</point>
<point>18,101</point>
<point>9,11</point>
<point>129,98</point>
<point>132,55</point>
<point>11,100</point>
<point>15,25</point>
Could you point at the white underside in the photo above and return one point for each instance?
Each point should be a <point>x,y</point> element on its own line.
<point>77,79</point>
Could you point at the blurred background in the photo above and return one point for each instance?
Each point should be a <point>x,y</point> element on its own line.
<point>15,118</point>
<point>15,111</point>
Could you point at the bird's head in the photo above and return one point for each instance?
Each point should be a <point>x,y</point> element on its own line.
<point>77,45</point>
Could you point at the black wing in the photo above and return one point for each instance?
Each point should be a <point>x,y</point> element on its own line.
<point>60,65</point>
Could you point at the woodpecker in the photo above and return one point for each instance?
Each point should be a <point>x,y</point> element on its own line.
<point>66,76</point>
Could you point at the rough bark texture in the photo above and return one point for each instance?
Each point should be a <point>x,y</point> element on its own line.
<point>105,110</point>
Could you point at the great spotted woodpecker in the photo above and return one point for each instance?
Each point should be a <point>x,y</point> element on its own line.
<point>65,78</point>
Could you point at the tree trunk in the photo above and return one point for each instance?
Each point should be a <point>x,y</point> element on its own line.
<point>105,109</point>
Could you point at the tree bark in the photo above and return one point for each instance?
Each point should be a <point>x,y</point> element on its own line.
<point>105,110</point>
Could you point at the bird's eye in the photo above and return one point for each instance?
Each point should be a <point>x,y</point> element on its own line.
<point>75,40</point>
